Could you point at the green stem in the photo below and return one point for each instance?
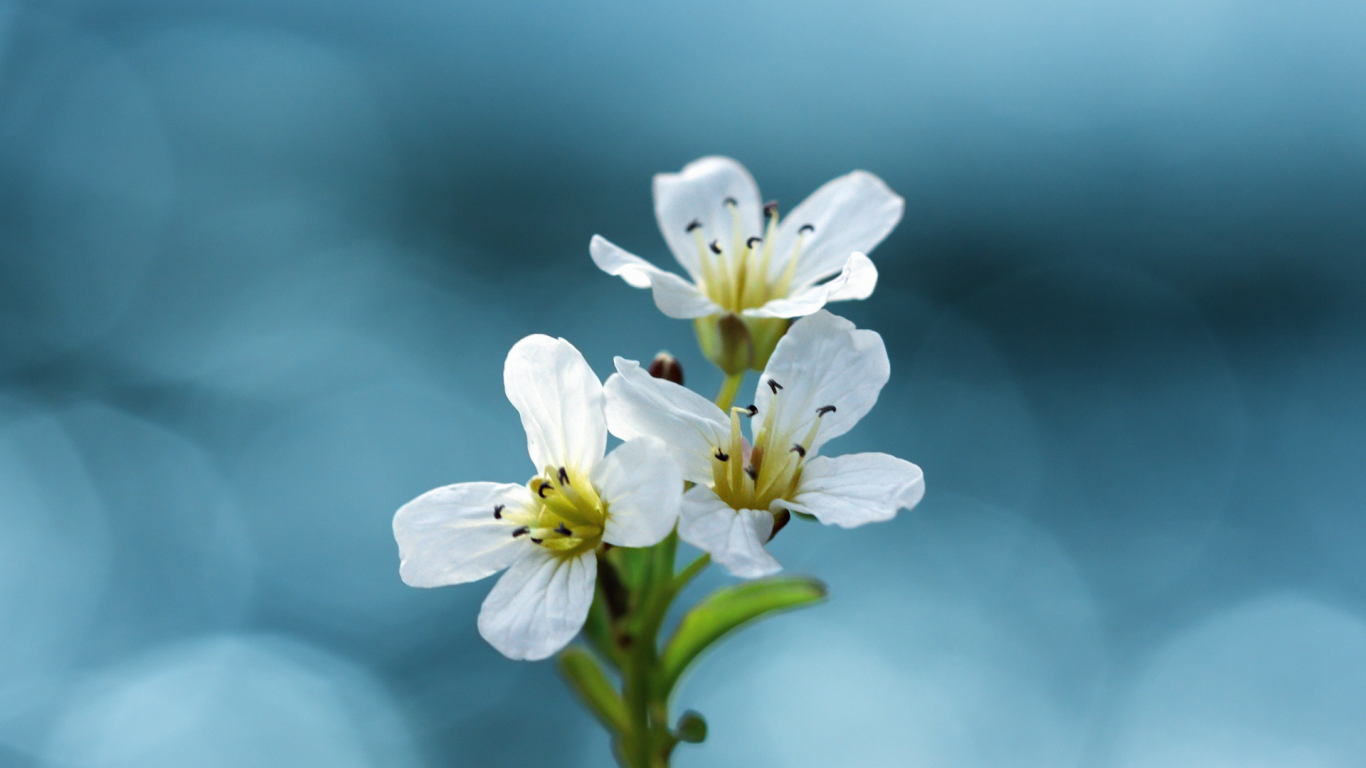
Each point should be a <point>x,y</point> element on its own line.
<point>726,397</point>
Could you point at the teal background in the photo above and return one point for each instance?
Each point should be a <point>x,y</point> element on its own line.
<point>260,263</point>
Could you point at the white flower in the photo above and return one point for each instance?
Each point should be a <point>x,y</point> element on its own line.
<point>713,219</point>
<point>545,532</point>
<point>822,378</point>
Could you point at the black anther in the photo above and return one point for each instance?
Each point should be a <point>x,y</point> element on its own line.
<point>498,512</point>
<point>537,541</point>
<point>521,532</point>
<point>806,228</point>
<point>753,410</point>
<point>730,201</point>
<point>750,242</point>
<point>801,452</point>
<point>771,208</point>
<point>720,456</point>
<point>752,472</point>
<point>694,224</point>
<point>824,409</point>
<point>775,386</point>
<point>562,530</point>
<point>716,247</point>
<point>564,476</point>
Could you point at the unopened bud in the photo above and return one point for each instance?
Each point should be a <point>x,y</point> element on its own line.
<point>725,340</point>
<point>780,520</point>
<point>692,728</point>
<point>666,366</point>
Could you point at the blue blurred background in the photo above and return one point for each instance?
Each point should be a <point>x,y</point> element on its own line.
<point>260,263</point>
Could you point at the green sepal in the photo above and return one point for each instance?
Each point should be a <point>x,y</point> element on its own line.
<point>691,728</point>
<point>726,610</point>
<point>593,688</point>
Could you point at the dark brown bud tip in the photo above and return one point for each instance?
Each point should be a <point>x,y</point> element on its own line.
<point>666,366</point>
<point>779,520</point>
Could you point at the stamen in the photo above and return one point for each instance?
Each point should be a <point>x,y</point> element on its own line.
<point>824,409</point>
<point>730,201</point>
<point>498,512</point>
<point>750,242</point>
<point>775,386</point>
<point>562,530</point>
<point>541,491</point>
<point>537,541</point>
<point>800,449</point>
<point>752,472</point>
<point>524,530</point>
<point>805,228</point>
<point>564,476</point>
<point>771,208</point>
<point>752,410</point>
<point>694,224</point>
<point>721,456</point>
<point>715,247</point>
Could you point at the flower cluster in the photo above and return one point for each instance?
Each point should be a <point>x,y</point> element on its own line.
<point>686,468</point>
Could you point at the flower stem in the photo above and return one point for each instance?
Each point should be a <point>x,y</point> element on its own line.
<point>726,397</point>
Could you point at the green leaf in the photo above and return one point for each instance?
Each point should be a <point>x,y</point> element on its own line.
<point>728,609</point>
<point>587,679</point>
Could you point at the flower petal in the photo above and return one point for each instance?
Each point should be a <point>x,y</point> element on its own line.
<point>560,400</point>
<point>851,213</point>
<point>538,606</point>
<point>735,538</point>
<point>699,193</point>
<point>690,425</point>
<point>857,488</point>
<point>855,281</point>
<point>674,296</point>
<point>451,535</point>
<point>641,486</point>
<point>823,360</point>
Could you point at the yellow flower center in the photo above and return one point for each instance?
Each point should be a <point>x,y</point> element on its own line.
<point>736,275</point>
<point>566,515</point>
<point>753,477</point>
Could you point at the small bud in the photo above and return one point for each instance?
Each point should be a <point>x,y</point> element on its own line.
<point>725,340</point>
<point>666,366</point>
<point>692,728</point>
<point>780,521</point>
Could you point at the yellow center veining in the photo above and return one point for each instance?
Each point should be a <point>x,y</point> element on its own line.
<point>736,275</point>
<point>566,515</point>
<point>773,467</point>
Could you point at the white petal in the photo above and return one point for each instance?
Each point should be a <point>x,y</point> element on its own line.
<point>699,193</point>
<point>857,488</point>
<point>560,399</point>
<point>641,486</point>
<point>734,538</point>
<point>639,405</point>
<point>856,281</point>
<point>851,213</point>
<point>538,606</point>
<point>450,535</point>
<point>674,296</point>
<point>823,360</point>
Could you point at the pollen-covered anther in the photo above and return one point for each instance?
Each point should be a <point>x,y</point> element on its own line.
<point>752,410</point>
<point>774,386</point>
<point>730,201</point>
<point>753,241</point>
<point>806,228</point>
<point>824,409</point>
<point>694,224</point>
<point>715,247</point>
<point>498,512</point>
<point>564,476</point>
<point>563,530</point>
<point>721,455</point>
<point>752,472</point>
<point>799,449</point>
<point>544,486</point>
<point>522,531</point>
<point>771,209</point>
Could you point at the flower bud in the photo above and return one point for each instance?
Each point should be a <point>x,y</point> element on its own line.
<point>692,728</point>
<point>666,366</point>
<point>725,340</point>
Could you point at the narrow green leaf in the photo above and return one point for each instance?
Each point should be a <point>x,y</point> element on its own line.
<point>728,609</point>
<point>587,679</point>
